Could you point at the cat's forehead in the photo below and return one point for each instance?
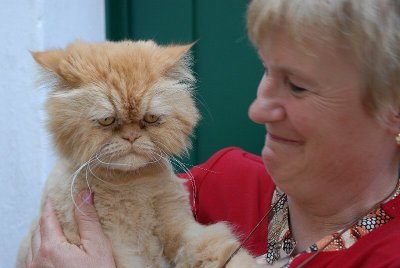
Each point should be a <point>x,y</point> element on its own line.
<point>124,65</point>
<point>128,79</point>
<point>105,101</point>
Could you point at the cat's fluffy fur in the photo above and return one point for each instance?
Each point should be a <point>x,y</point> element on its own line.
<point>117,113</point>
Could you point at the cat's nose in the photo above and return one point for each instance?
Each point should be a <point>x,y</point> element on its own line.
<point>131,136</point>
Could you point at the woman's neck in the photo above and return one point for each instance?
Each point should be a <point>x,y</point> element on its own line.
<point>311,219</point>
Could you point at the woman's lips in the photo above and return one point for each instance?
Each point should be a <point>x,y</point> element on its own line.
<point>282,139</point>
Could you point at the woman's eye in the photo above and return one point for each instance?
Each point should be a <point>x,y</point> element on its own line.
<point>296,89</point>
<point>150,118</point>
<point>106,121</point>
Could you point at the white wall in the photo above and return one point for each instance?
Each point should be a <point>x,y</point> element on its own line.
<point>26,157</point>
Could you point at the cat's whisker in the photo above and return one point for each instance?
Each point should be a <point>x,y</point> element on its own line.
<point>196,166</point>
<point>204,169</point>
<point>203,103</point>
<point>74,176</point>
<point>87,178</point>
<point>160,157</point>
<point>192,182</point>
<point>108,165</point>
<point>155,159</point>
<point>149,150</point>
<point>96,177</point>
<point>191,179</point>
<point>87,166</point>
<point>111,163</point>
<point>161,163</point>
<point>142,146</point>
<point>184,168</point>
<point>163,146</point>
<point>180,164</point>
<point>169,158</point>
<point>186,164</point>
<point>161,154</point>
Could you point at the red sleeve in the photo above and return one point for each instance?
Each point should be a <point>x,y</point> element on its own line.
<point>233,186</point>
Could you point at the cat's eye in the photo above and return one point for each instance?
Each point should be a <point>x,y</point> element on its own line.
<point>151,118</point>
<point>106,121</point>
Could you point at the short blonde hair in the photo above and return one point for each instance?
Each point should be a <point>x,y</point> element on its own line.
<point>369,28</point>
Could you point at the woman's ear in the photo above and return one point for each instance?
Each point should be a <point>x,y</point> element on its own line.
<point>394,120</point>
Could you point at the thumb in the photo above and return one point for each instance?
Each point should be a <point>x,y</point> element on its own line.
<point>89,226</point>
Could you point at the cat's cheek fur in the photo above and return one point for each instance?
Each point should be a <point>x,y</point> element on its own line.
<point>173,136</point>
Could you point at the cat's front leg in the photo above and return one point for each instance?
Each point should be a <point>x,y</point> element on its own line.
<point>189,244</point>
<point>211,246</point>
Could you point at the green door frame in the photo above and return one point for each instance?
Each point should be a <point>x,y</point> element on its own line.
<point>226,65</point>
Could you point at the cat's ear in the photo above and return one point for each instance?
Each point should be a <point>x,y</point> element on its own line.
<point>56,70</point>
<point>182,62</point>
<point>50,59</point>
<point>178,52</point>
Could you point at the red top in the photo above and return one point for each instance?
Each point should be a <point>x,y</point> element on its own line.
<point>234,186</point>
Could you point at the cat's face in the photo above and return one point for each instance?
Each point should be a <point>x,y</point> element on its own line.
<point>121,105</point>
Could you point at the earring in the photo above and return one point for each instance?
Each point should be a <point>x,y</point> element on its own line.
<point>398,140</point>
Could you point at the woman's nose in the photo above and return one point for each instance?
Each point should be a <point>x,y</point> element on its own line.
<point>267,106</point>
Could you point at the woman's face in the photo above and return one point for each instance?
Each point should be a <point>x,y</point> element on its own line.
<point>310,102</point>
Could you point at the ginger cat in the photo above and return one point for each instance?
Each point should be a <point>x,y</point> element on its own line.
<point>118,112</point>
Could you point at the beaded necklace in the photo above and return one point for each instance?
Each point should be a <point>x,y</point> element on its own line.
<point>281,241</point>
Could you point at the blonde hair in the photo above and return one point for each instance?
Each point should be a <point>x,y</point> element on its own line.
<point>368,28</point>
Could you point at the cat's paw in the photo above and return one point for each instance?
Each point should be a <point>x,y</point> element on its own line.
<point>214,245</point>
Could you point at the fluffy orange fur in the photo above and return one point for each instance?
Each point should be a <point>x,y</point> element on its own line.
<point>121,80</point>
<point>118,113</point>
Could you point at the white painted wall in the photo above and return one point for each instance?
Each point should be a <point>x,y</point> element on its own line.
<point>26,157</point>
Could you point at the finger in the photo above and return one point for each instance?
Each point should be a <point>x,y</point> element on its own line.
<point>90,229</point>
<point>33,247</point>
<point>35,242</point>
<point>28,259</point>
<point>50,228</point>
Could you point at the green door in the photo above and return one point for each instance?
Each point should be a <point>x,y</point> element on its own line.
<point>226,65</point>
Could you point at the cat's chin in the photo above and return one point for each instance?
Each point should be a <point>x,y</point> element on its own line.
<point>129,162</point>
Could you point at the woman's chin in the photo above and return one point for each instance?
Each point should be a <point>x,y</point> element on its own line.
<point>269,157</point>
<point>276,165</point>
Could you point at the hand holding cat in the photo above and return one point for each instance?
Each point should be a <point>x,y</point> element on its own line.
<point>50,248</point>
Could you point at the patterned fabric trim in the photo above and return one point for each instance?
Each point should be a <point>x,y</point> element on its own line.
<point>281,243</point>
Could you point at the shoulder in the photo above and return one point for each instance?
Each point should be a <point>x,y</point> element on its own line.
<point>233,186</point>
<point>231,161</point>
<point>231,169</point>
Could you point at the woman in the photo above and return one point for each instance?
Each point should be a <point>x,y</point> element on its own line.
<point>331,103</point>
